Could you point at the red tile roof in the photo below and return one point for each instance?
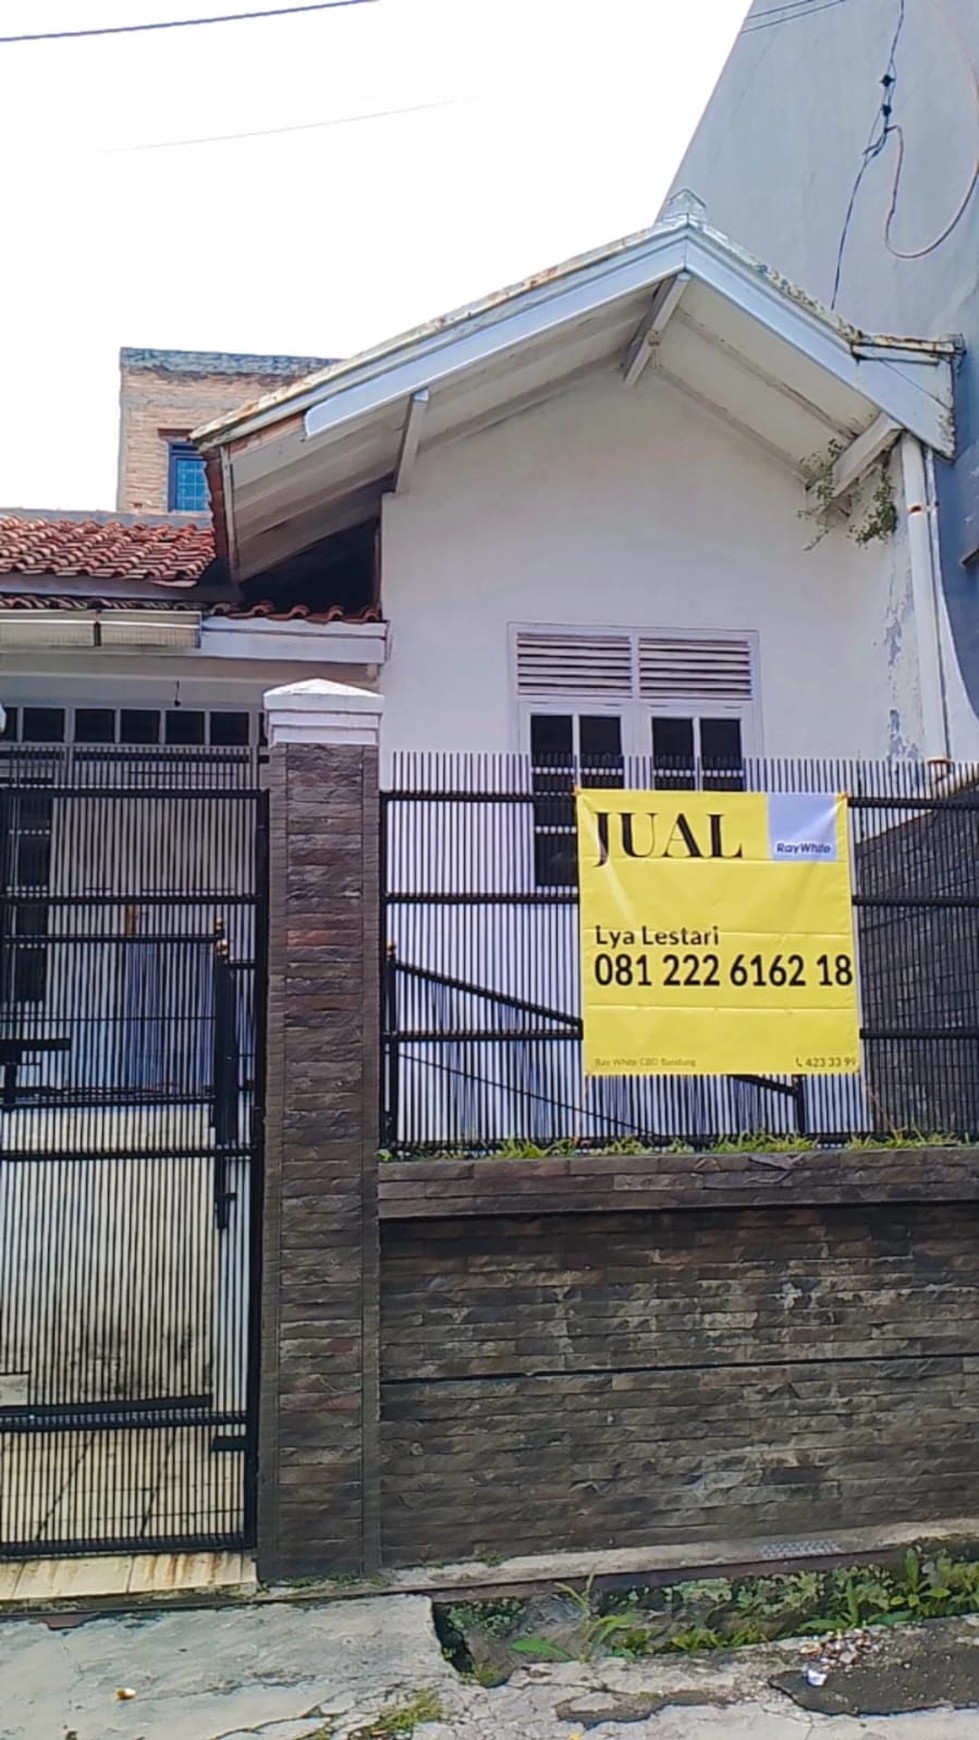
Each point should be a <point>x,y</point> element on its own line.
<point>166,554</point>
<point>148,552</point>
<point>266,611</point>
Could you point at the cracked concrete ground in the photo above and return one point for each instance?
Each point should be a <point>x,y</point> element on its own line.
<point>290,1672</point>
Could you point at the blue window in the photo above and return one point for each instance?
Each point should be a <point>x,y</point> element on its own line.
<point>186,483</point>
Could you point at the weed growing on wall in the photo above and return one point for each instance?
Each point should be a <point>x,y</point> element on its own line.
<point>874,521</point>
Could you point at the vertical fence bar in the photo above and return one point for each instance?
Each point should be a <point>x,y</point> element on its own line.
<point>390,1060</point>
<point>122,1035</point>
<point>481,909</point>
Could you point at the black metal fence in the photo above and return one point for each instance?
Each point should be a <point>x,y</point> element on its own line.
<point>481,1026</point>
<point>131,996</point>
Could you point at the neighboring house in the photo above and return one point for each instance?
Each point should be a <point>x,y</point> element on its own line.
<point>588,493</point>
<point>163,394</point>
<point>118,629</point>
<point>126,627</point>
<point>842,141</point>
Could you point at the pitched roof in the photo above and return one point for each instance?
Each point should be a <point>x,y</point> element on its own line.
<point>319,454</point>
<point>106,562</point>
<point>165,554</point>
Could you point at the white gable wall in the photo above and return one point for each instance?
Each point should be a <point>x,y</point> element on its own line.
<point>612,507</point>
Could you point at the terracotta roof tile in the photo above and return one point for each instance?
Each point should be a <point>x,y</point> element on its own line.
<point>167,555</point>
<point>266,611</point>
<point>159,553</point>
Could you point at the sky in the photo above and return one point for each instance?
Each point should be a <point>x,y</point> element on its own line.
<point>526,131</point>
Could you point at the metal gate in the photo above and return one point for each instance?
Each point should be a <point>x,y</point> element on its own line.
<point>132,995</point>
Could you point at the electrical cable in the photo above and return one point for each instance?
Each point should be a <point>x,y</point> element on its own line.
<point>273,132</point>
<point>953,223</point>
<point>180,23</point>
<point>876,141</point>
<point>898,132</point>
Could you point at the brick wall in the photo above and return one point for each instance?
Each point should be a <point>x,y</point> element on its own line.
<point>558,1381</point>
<point>166,394</point>
<point>318,1487</point>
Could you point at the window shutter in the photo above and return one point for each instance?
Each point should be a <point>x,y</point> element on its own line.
<point>575,664</point>
<point>694,670</point>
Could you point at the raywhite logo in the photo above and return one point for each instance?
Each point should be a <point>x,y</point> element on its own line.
<point>802,828</point>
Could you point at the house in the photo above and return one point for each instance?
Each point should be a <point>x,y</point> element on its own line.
<point>842,143</point>
<point>572,522</point>
<point>124,627</point>
<point>655,512</point>
<point>641,518</point>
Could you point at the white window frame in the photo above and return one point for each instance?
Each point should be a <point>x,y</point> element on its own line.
<point>636,714</point>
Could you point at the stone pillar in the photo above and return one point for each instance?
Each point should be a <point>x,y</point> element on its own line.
<point>318,1498</point>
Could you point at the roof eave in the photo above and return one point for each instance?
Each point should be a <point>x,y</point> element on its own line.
<point>891,373</point>
<point>910,381</point>
<point>299,396</point>
<point>690,237</point>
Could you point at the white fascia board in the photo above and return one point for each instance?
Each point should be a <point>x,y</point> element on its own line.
<point>322,643</point>
<point>505,329</point>
<point>923,404</point>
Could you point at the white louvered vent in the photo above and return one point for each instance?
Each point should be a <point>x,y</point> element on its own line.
<point>695,670</point>
<point>574,664</point>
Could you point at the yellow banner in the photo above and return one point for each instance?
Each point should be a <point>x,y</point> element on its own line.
<point>716,934</point>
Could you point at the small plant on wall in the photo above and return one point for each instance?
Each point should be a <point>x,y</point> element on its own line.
<point>873,521</point>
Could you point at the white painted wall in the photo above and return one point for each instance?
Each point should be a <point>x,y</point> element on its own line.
<point>611,507</point>
<point>776,159</point>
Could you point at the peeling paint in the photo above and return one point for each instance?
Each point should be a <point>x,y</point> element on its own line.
<point>893,636</point>
<point>899,747</point>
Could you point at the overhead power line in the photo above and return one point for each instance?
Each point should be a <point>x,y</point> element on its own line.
<point>273,132</point>
<point>180,23</point>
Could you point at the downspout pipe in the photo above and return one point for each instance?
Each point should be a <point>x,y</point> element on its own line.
<point>919,507</point>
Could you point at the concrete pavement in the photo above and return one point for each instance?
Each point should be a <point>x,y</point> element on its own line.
<point>284,1671</point>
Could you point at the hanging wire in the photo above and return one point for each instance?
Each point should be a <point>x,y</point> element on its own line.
<point>276,132</point>
<point>898,132</point>
<point>876,141</point>
<point>179,23</point>
<point>885,128</point>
